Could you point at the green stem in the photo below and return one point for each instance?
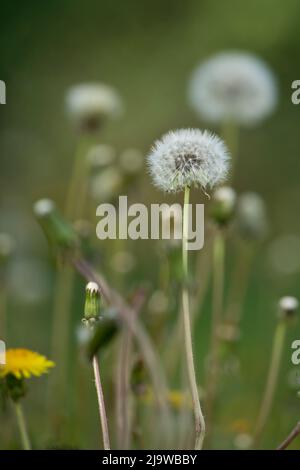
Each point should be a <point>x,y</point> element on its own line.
<point>268,397</point>
<point>198,415</point>
<point>217,307</point>
<point>22,426</point>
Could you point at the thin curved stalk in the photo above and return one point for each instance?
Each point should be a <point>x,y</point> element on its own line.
<point>101,404</point>
<point>198,415</point>
<point>295,432</point>
<point>268,397</point>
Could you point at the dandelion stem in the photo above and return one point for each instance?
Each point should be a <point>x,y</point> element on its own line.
<point>295,432</point>
<point>22,426</point>
<point>267,401</point>
<point>198,415</point>
<point>102,411</point>
<point>217,306</point>
<point>76,195</point>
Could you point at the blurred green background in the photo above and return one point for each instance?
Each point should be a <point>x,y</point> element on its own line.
<point>147,51</point>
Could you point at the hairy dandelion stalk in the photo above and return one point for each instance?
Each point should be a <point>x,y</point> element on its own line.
<point>217,307</point>
<point>271,383</point>
<point>203,273</point>
<point>22,426</point>
<point>295,433</point>
<point>91,316</point>
<point>101,404</point>
<point>198,415</point>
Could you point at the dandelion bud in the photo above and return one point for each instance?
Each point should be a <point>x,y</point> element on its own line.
<point>90,104</point>
<point>223,205</point>
<point>58,231</point>
<point>103,333</point>
<point>92,303</point>
<point>252,220</point>
<point>288,307</point>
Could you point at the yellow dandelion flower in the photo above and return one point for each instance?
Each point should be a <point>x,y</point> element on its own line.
<point>23,363</point>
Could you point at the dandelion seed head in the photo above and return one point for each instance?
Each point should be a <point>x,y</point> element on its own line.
<point>188,157</point>
<point>288,304</point>
<point>234,86</point>
<point>88,104</point>
<point>43,207</point>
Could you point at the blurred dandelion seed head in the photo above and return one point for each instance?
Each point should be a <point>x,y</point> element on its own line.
<point>23,363</point>
<point>243,441</point>
<point>188,157</point>
<point>43,207</point>
<point>106,184</point>
<point>284,254</point>
<point>233,86</point>
<point>158,302</point>
<point>288,306</point>
<point>100,156</point>
<point>252,221</point>
<point>89,104</point>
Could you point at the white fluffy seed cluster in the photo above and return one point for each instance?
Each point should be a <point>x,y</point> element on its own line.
<point>43,207</point>
<point>92,101</point>
<point>188,157</point>
<point>288,304</point>
<point>235,86</point>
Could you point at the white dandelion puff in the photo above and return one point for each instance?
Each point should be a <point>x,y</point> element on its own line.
<point>233,86</point>
<point>188,157</point>
<point>88,104</point>
<point>288,304</point>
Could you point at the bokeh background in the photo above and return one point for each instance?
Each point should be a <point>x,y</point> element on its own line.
<point>147,51</point>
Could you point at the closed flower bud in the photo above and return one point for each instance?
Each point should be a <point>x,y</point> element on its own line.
<point>288,306</point>
<point>58,231</point>
<point>223,205</point>
<point>103,333</point>
<point>92,303</point>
